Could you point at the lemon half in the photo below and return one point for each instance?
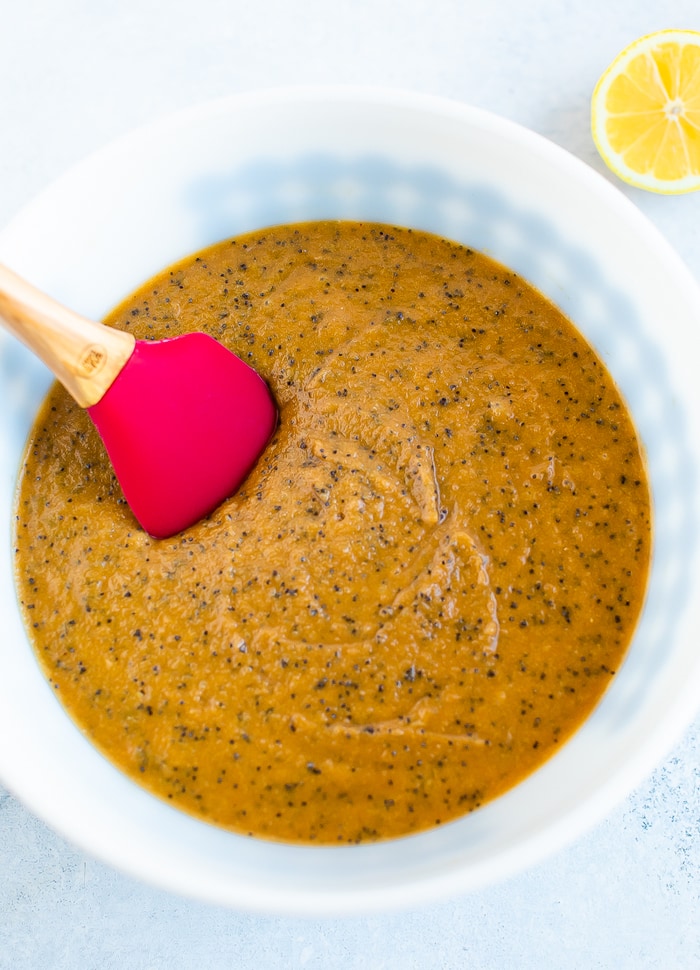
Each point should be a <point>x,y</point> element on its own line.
<point>646,112</point>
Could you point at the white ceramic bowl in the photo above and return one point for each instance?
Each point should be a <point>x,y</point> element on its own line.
<point>284,156</point>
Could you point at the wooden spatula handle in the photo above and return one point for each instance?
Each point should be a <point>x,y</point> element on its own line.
<point>85,356</point>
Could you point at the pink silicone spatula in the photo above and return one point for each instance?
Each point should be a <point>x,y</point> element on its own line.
<point>183,419</point>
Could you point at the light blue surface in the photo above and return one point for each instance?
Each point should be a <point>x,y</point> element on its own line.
<point>76,74</point>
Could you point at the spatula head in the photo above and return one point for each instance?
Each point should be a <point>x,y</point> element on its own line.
<point>183,423</point>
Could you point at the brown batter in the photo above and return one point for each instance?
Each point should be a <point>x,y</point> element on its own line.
<point>422,589</point>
